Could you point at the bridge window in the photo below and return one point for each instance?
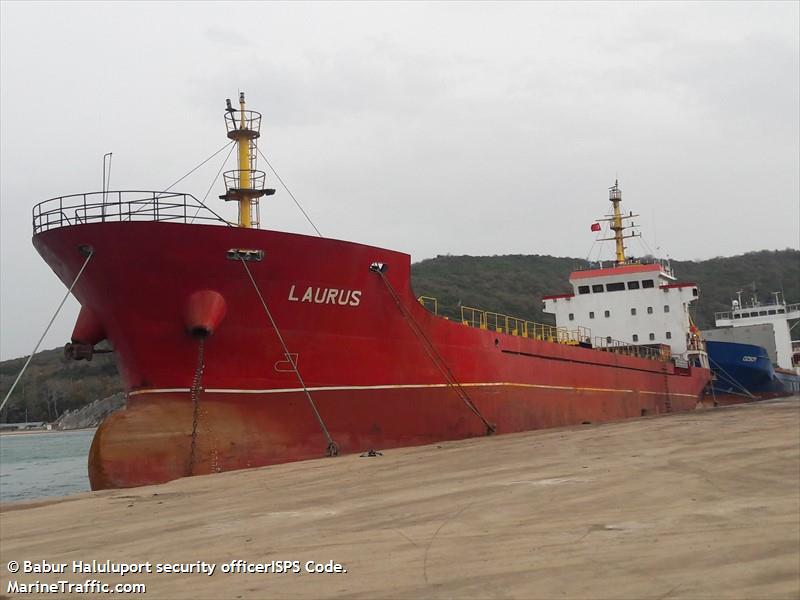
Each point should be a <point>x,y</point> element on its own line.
<point>652,336</point>
<point>633,285</point>
<point>633,311</point>
<point>608,313</point>
<point>694,291</point>
<point>615,287</point>
<point>649,310</point>
<point>669,335</point>
<point>771,312</point>
<point>597,288</point>
<point>608,339</point>
<point>735,316</point>
<point>635,338</point>
<point>781,311</point>
<point>571,316</point>
<point>762,313</point>
<point>583,289</point>
<point>591,315</point>
<point>648,283</point>
<point>666,308</point>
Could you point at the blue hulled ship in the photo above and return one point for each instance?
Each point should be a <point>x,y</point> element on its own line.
<point>751,351</point>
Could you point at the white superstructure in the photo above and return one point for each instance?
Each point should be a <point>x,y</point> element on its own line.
<point>776,313</point>
<point>637,304</point>
<point>630,302</point>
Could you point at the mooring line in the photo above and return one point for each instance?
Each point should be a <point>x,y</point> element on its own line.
<point>333,448</point>
<point>36,348</point>
<point>434,355</point>
<point>731,379</point>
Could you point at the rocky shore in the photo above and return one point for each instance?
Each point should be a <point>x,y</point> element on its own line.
<point>92,414</point>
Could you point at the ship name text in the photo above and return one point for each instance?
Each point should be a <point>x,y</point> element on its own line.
<point>318,295</point>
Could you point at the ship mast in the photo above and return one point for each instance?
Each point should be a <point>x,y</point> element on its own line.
<point>617,222</point>
<point>245,185</point>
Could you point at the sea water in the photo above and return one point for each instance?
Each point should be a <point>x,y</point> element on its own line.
<point>37,465</point>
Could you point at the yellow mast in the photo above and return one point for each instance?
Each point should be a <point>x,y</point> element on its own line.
<point>245,219</point>
<point>244,185</point>
<point>617,223</point>
<point>615,195</point>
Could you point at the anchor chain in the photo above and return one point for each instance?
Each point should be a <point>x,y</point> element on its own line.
<point>195,395</point>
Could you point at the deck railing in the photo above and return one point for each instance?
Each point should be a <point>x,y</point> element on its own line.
<point>127,205</point>
<point>501,323</point>
<point>482,319</point>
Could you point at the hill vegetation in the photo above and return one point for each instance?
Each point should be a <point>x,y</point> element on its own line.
<point>512,284</point>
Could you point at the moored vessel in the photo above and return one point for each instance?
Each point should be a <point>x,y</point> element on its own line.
<point>751,352</point>
<point>242,347</point>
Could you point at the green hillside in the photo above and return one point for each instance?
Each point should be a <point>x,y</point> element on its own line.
<point>513,285</point>
<point>53,385</point>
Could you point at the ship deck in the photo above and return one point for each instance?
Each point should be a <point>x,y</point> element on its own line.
<point>699,505</point>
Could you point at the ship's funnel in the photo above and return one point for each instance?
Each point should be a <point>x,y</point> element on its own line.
<point>203,313</point>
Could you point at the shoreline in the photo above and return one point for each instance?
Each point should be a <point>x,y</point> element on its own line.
<point>38,431</point>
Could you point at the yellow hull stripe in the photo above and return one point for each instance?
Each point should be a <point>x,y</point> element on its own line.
<point>398,387</point>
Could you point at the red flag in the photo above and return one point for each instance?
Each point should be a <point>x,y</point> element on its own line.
<point>596,227</point>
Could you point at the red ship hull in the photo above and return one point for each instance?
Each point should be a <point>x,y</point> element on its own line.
<point>374,384</point>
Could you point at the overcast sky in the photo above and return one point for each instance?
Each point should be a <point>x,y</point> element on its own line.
<point>474,128</point>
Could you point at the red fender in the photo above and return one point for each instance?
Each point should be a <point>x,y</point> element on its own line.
<point>203,312</point>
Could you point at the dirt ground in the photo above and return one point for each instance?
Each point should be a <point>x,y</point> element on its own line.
<point>701,505</point>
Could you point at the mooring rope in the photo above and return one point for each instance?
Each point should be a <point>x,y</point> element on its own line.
<point>36,348</point>
<point>333,448</point>
<point>434,355</point>
<point>731,379</point>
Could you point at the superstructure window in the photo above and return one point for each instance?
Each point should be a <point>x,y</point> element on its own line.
<point>633,311</point>
<point>652,336</point>
<point>591,315</point>
<point>633,285</point>
<point>772,312</point>
<point>597,288</point>
<point>607,314</point>
<point>571,316</point>
<point>615,287</point>
<point>635,338</point>
<point>666,308</point>
<point>648,283</point>
<point>669,335</point>
<point>583,289</point>
<point>649,310</point>
<point>762,313</point>
<point>694,291</point>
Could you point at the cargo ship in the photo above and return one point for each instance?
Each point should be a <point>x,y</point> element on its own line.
<point>241,347</point>
<point>751,351</point>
